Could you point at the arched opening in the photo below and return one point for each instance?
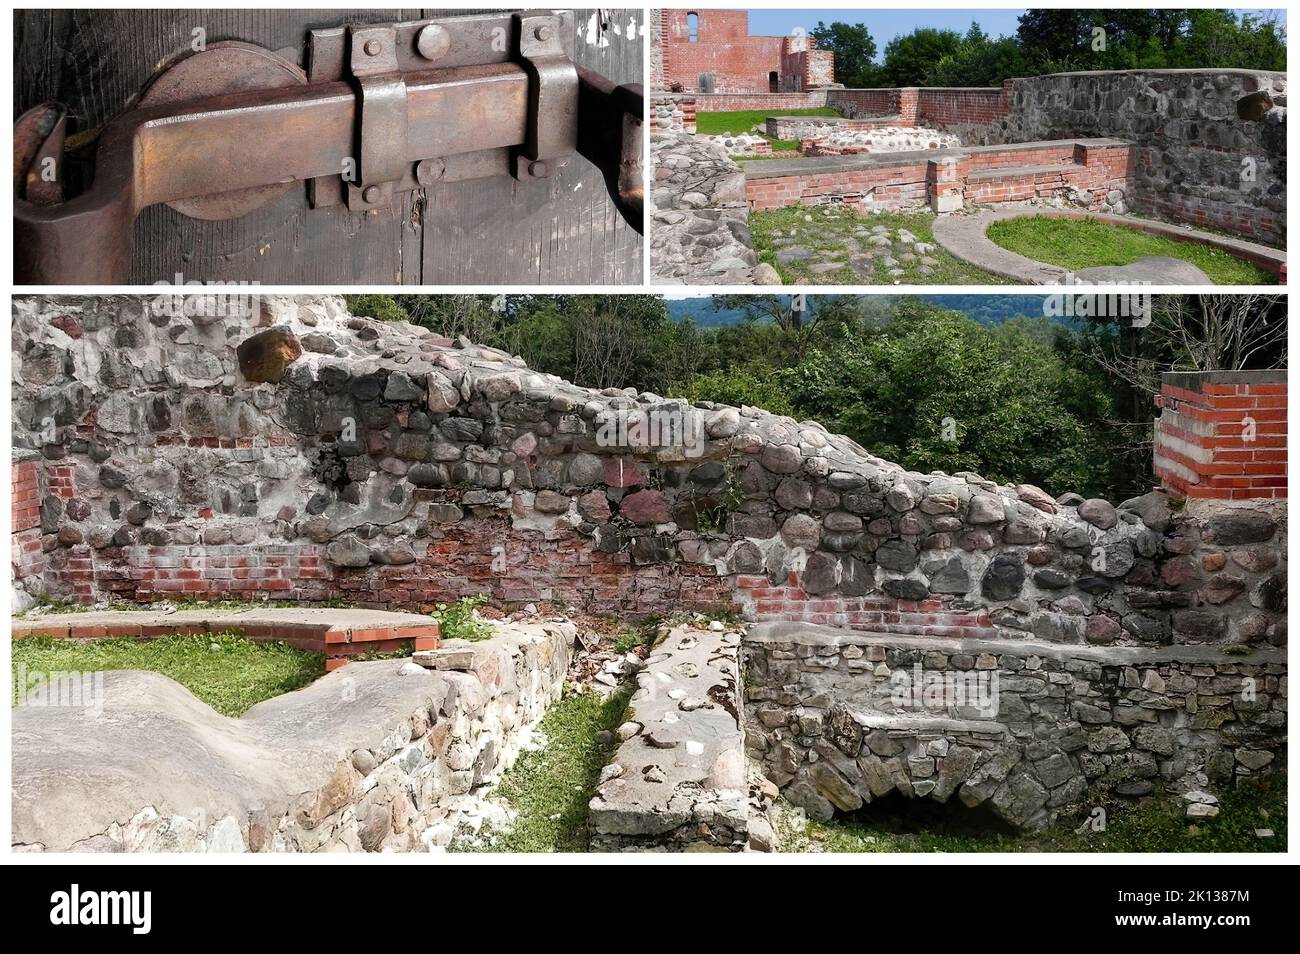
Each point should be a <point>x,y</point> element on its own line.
<point>692,27</point>
<point>896,814</point>
<point>774,82</point>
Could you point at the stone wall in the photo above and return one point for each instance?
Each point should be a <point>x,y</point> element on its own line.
<point>1031,731</point>
<point>670,113</point>
<point>378,756</point>
<point>1210,144</point>
<point>1213,141</point>
<point>403,470</point>
<point>700,225</point>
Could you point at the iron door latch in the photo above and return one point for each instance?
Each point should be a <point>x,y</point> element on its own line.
<point>381,109</point>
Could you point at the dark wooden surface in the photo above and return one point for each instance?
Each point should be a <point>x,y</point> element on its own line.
<point>488,231</point>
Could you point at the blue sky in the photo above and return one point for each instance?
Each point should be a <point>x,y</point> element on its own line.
<point>887,24</point>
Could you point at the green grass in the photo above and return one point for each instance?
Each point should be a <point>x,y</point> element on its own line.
<point>549,788</point>
<point>1158,824</point>
<point>458,620</point>
<point>742,121</point>
<point>1084,243</point>
<point>231,677</point>
<point>831,232</point>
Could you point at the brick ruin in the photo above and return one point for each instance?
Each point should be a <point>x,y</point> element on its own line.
<point>1201,147</point>
<point>299,452</point>
<point>711,51</point>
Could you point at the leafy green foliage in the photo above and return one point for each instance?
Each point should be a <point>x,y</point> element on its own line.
<point>459,620</point>
<point>909,57</point>
<point>855,53</point>
<point>1059,40</point>
<point>978,61</point>
<point>227,671</point>
<point>937,391</point>
<point>1085,243</point>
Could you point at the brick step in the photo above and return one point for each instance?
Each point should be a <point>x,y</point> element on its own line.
<point>1016,172</point>
<point>338,633</point>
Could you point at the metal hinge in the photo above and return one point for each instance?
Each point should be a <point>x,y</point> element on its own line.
<point>381,109</point>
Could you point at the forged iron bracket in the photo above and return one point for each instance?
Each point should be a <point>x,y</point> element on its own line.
<point>381,109</point>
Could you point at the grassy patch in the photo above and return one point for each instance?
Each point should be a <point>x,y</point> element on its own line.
<point>742,121</point>
<point>459,620</point>
<point>1157,824</point>
<point>1083,243</point>
<point>228,672</point>
<point>549,788</point>
<point>832,235</point>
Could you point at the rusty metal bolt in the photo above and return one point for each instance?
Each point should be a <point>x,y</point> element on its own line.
<point>433,42</point>
<point>537,168</point>
<point>372,194</point>
<point>373,47</point>
<point>543,33</point>
<point>429,171</point>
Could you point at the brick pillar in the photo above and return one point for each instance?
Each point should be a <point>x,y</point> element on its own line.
<point>944,179</point>
<point>909,98</point>
<point>1008,96</point>
<point>1222,434</point>
<point>26,555</point>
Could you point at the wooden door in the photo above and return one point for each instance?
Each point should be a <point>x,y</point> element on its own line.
<point>486,231</point>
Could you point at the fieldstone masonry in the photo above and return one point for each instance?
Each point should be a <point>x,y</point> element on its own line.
<point>379,756</point>
<point>700,232</point>
<point>380,464</point>
<point>1032,730</point>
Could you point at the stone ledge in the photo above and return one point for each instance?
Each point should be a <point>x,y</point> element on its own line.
<point>810,634</point>
<point>380,756</point>
<point>678,778</point>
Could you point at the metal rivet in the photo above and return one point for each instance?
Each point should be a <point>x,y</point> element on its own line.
<point>543,33</point>
<point>429,171</point>
<point>373,47</point>
<point>537,168</point>
<point>371,194</point>
<point>433,42</point>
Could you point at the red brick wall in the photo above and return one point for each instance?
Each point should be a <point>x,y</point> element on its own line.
<point>877,102</point>
<point>1222,434</point>
<point>723,49</point>
<point>25,496</point>
<point>26,554</point>
<point>910,183</point>
<point>958,106</point>
<point>765,601</point>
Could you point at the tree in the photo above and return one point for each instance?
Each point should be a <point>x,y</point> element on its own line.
<point>979,61</point>
<point>855,53</point>
<point>1056,40</point>
<point>908,58</point>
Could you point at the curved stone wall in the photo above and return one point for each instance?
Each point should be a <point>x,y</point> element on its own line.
<point>305,453</point>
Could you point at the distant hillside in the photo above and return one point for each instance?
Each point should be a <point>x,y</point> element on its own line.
<point>986,309</point>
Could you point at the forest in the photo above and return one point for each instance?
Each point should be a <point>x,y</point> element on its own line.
<point>1064,405</point>
<point>1057,41</point>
